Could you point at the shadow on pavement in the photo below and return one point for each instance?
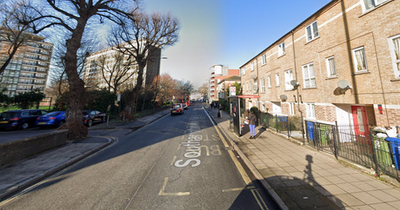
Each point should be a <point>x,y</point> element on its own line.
<point>305,192</point>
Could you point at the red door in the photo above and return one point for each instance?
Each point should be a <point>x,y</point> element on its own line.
<point>361,130</point>
<point>360,120</point>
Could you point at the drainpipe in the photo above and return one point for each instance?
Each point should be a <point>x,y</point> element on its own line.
<point>352,70</point>
<point>297,89</point>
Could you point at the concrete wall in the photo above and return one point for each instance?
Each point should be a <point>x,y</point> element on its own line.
<point>14,151</point>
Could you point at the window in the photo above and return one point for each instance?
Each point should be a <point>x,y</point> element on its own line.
<point>394,44</point>
<point>292,109</point>
<point>262,106</point>
<point>252,66</point>
<point>281,49</point>
<point>244,71</point>
<point>330,66</point>
<point>262,81</point>
<point>288,78</point>
<point>255,86</point>
<point>310,110</point>
<point>360,63</point>
<point>264,59</point>
<point>312,31</point>
<point>269,81</point>
<point>309,75</point>
<point>369,4</point>
<point>277,79</point>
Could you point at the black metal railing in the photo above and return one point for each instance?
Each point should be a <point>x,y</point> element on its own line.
<point>365,148</point>
<point>287,125</point>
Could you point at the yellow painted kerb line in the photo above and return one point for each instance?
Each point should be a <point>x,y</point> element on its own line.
<point>242,172</point>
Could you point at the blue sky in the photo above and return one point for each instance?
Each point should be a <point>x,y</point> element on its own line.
<point>227,32</point>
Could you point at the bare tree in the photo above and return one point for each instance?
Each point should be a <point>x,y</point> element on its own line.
<point>117,72</point>
<point>203,90</point>
<point>166,85</point>
<point>139,37</point>
<point>74,16</point>
<point>13,34</point>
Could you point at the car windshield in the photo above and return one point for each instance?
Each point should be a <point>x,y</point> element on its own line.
<point>177,106</point>
<point>53,114</point>
<point>10,114</point>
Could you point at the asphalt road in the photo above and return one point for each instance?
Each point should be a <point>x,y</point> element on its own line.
<point>177,162</point>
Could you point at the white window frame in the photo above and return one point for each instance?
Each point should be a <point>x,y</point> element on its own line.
<point>277,79</point>
<point>356,60</point>
<point>292,108</point>
<point>309,76</point>
<point>368,5</point>
<point>395,56</point>
<point>262,103</point>
<point>281,49</point>
<point>269,81</point>
<point>264,59</point>
<point>330,66</point>
<point>288,79</point>
<point>252,66</point>
<point>244,71</point>
<point>310,107</point>
<point>313,29</point>
<point>262,83</point>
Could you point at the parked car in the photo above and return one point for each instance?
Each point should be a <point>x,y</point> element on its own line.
<point>177,109</point>
<point>185,105</point>
<point>93,116</point>
<point>20,119</point>
<point>55,119</point>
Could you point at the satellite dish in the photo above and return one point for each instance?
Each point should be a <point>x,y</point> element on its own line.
<point>344,84</point>
<point>295,83</point>
<point>283,97</point>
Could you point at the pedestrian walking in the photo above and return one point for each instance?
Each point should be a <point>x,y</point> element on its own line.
<point>215,105</point>
<point>220,110</point>
<point>211,105</point>
<point>252,124</point>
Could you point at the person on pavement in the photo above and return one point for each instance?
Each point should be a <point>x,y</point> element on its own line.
<point>252,124</point>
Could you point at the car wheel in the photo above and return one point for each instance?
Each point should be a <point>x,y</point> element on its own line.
<point>60,123</point>
<point>25,125</point>
<point>90,123</point>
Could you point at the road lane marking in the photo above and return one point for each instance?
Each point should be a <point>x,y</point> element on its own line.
<point>179,147</point>
<point>239,189</point>
<point>259,199</point>
<point>162,191</point>
<point>240,168</point>
<point>173,160</point>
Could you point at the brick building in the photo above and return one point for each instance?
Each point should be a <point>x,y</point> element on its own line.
<point>341,64</point>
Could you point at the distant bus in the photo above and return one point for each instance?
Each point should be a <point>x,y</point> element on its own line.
<point>186,99</point>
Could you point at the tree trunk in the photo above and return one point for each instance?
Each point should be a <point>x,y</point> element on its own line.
<point>76,86</point>
<point>135,92</point>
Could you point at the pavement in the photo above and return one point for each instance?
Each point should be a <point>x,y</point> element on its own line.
<point>299,177</point>
<point>296,176</point>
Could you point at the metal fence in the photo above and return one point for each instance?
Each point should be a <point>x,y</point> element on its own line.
<point>369,150</point>
<point>287,125</point>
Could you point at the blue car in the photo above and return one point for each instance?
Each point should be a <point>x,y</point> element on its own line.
<point>55,119</point>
